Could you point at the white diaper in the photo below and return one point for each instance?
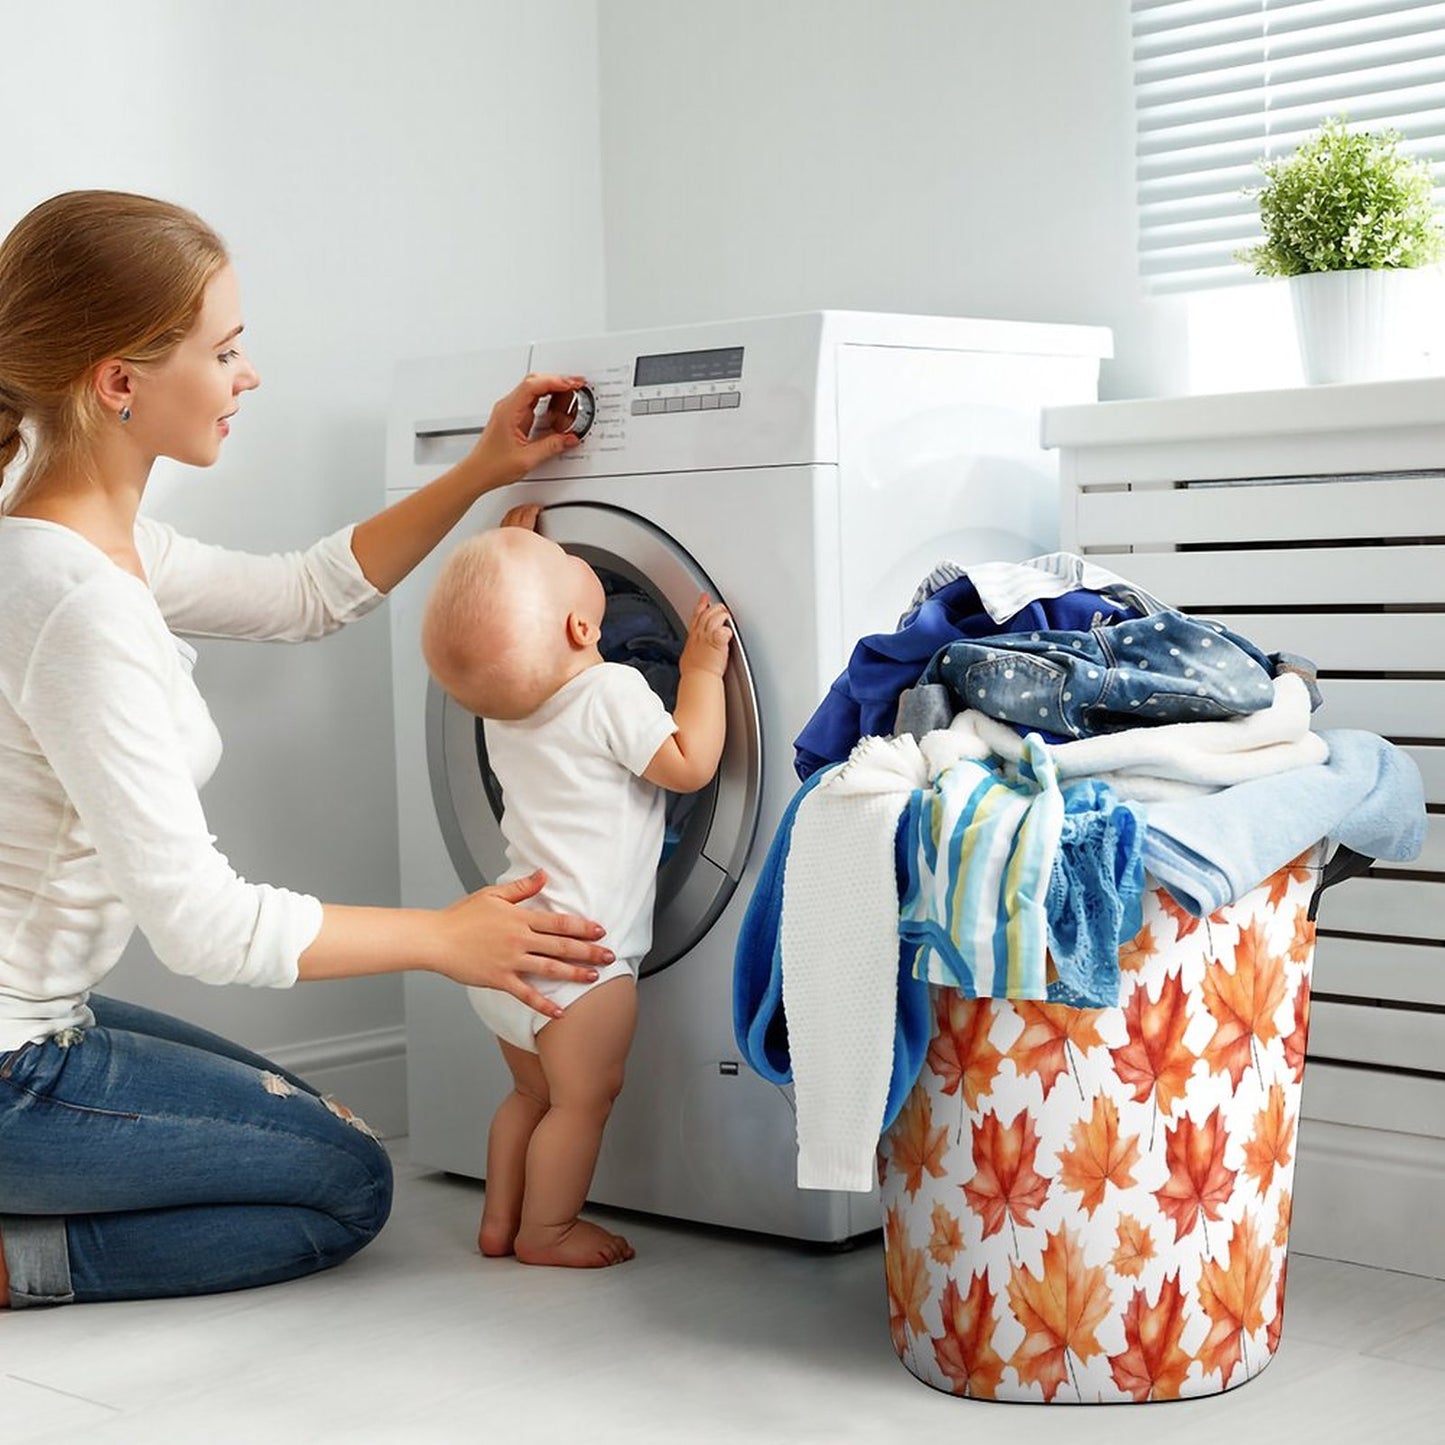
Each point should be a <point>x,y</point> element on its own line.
<point>517,1023</point>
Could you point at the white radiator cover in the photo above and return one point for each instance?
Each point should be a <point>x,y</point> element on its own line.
<point>1313,521</point>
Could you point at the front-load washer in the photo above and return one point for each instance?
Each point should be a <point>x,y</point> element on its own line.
<point>808,471</point>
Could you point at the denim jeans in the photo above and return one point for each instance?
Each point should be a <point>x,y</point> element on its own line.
<point>1165,668</point>
<point>144,1157</point>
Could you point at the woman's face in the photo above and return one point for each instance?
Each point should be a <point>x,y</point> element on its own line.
<point>183,406</point>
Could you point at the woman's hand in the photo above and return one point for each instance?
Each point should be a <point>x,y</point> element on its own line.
<point>489,942</point>
<point>505,451</point>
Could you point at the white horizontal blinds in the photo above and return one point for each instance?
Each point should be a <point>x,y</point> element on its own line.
<point>1220,83</point>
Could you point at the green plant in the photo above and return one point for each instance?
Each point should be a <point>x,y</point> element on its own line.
<point>1345,202</point>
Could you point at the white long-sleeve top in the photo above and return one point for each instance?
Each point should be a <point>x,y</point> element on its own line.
<point>104,745</point>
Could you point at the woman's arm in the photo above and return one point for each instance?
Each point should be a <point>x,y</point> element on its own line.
<point>390,544</point>
<point>484,940</point>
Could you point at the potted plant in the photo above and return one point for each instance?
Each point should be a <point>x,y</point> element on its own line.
<point>1344,217</point>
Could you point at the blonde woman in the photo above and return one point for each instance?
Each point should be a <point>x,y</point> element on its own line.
<point>139,1156</point>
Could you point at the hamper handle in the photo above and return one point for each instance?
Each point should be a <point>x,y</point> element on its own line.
<point>1344,863</point>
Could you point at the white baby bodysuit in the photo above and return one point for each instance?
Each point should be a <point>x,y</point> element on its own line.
<point>575,804</point>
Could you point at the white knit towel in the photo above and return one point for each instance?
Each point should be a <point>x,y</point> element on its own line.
<point>839,939</point>
<point>1213,754</point>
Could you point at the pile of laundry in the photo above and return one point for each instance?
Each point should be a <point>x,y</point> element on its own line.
<point>984,790</point>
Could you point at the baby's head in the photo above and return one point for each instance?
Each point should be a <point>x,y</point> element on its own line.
<point>511,617</point>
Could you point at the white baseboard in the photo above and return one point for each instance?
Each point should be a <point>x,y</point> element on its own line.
<point>1370,1196</point>
<point>366,1072</point>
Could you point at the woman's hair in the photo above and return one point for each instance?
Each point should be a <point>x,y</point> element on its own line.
<point>85,276</point>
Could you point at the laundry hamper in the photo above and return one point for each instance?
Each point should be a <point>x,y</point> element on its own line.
<point>1093,1205</point>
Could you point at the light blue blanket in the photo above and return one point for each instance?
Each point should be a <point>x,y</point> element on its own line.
<point>1211,850</point>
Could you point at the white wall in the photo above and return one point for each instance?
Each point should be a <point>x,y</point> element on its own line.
<point>386,179</point>
<point>970,157</point>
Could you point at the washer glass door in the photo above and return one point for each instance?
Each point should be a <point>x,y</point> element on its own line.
<point>651,586</point>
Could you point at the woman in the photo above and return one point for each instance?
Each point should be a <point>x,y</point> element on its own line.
<point>139,1156</point>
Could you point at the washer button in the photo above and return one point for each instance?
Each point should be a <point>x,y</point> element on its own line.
<point>674,403</point>
<point>709,401</point>
<point>691,403</point>
<point>639,407</point>
<point>731,398</point>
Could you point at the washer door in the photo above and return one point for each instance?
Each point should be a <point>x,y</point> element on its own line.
<point>651,585</point>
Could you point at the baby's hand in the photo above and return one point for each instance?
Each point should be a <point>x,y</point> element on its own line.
<point>708,635</point>
<point>525,514</point>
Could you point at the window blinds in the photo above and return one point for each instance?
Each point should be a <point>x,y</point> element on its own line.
<point>1218,84</point>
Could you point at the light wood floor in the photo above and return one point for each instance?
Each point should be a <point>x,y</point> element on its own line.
<point>705,1338</point>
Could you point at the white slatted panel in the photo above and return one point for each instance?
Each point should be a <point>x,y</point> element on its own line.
<point>1372,968</point>
<point>1431,762</point>
<point>1305,576</point>
<point>1370,1099</point>
<point>1220,83</point>
<point>1348,570</point>
<point>1350,641</point>
<point>1392,1037</point>
<point>1268,512</point>
<point>1400,907</point>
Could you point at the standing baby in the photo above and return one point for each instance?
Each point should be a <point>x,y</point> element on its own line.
<point>583,749</point>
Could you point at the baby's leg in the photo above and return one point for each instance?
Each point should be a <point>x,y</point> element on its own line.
<point>512,1125</point>
<point>582,1054</point>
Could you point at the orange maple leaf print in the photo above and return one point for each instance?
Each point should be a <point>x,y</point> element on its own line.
<point>906,1274</point>
<point>1156,1060</point>
<point>1098,1156</point>
<point>1135,1248</point>
<point>1294,872</point>
<point>1281,1223</point>
<point>1134,954</point>
<point>1269,1147</point>
<point>1198,1181</point>
<point>1049,1030</point>
<point>1153,1366</point>
<point>1233,1298</point>
<point>1243,1003</point>
<point>1297,1039</point>
<point>1271,1334</point>
<point>964,1350</point>
<point>1184,921</point>
<point>960,1052</point>
<point>916,1144</point>
<point>947,1238</point>
<point>1303,942</point>
<point>1005,1184</point>
<point>1060,1311</point>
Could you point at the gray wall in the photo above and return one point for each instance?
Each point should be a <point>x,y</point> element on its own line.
<point>970,157</point>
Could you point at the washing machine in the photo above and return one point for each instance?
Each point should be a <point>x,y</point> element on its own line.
<point>808,471</point>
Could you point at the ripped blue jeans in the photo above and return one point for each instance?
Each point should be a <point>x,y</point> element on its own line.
<point>145,1157</point>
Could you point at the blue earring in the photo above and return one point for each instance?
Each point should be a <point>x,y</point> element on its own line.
<point>124,414</point>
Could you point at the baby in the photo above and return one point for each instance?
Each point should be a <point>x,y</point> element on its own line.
<point>582,749</point>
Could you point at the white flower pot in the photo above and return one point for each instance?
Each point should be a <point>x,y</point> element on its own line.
<point>1351,325</point>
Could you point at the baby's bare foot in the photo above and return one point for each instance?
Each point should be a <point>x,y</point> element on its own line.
<point>578,1245</point>
<point>495,1236</point>
<point>497,1230</point>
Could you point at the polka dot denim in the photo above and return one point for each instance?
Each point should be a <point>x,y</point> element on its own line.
<point>1164,668</point>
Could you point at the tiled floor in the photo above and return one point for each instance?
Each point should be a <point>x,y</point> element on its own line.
<point>704,1338</point>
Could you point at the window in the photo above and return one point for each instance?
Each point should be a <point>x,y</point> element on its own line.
<point>1218,84</point>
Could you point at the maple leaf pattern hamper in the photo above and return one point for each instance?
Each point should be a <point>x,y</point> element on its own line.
<point>1092,1205</point>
